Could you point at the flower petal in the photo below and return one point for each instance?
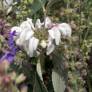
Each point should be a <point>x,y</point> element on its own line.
<point>54,33</point>
<point>31,23</point>
<point>57,35</point>
<point>50,47</point>
<point>33,43</point>
<point>38,24</point>
<point>65,29</point>
<point>51,33</point>
<point>47,22</point>
<point>25,26</point>
<point>29,34</point>
<point>21,38</point>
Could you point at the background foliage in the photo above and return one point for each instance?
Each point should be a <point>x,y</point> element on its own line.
<point>72,60</point>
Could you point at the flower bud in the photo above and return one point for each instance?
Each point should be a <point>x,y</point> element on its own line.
<point>43,44</point>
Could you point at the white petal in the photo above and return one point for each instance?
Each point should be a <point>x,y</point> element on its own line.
<point>18,42</point>
<point>50,47</point>
<point>29,34</point>
<point>25,26</point>
<point>51,34</point>
<point>38,24</point>
<point>21,38</point>
<point>33,43</point>
<point>31,23</point>
<point>47,22</point>
<point>54,33</point>
<point>65,29</point>
<point>57,35</point>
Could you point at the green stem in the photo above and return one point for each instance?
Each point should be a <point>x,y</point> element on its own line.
<point>44,10</point>
<point>88,83</point>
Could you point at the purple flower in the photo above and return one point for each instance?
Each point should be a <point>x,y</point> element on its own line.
<point>11,43</point>
<point>9,55</point>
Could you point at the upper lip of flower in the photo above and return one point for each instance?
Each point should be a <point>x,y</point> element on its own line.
<point>55,34</point>
<point>47,22</point>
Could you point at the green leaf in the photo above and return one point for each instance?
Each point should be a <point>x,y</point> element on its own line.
<point>38,85</point>
<point>31,1</point>
<point>58,82</point>
<point>39,69</point>
<point>1,5</point>
<point>59,74</point>
<point>36,5</point>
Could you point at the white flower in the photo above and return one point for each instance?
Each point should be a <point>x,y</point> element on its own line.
<point>25,35</point>
<point>38,24</point>
<point>43,44</point>
<point>47,22</point>
<point>55,34</point>
<point>65,29</point>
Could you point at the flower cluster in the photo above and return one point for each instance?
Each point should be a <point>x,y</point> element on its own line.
<point>9,52</point>
<point>25,35</point>
<point>9,55</point>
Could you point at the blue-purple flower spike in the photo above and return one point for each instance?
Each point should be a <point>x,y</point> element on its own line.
<point>9,56</point>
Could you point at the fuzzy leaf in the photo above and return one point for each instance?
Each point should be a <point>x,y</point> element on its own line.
<point>58,82</point>
<point>38,85</point>
<point>59,74</point>
<point>39,69</point>
<point>36,5</point>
